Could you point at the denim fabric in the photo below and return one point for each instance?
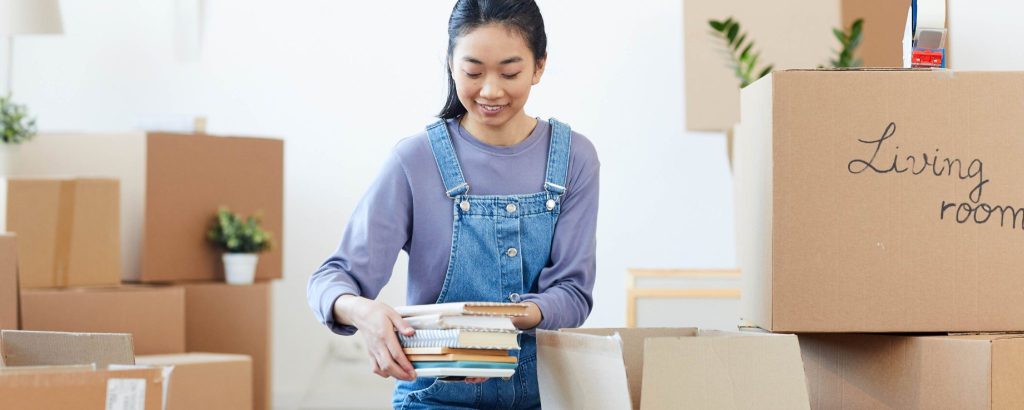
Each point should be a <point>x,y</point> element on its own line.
<point>500,243</point>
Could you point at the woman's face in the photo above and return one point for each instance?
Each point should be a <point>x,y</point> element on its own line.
<point>493,71</point>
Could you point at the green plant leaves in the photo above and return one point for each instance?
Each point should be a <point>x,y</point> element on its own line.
<point>18,127</point>
<point>233,235</point>
<point>743,59</point>
<point>849,40</point>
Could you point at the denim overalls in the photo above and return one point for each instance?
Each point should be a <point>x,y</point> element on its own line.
<point>500,243</point>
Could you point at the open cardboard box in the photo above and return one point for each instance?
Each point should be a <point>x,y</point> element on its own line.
<point>669,368</point>
<point>54,370</point>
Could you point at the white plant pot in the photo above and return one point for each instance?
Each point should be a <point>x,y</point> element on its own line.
<point>240,268</point>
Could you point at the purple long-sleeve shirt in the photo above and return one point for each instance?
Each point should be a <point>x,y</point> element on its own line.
<point>406,209</point>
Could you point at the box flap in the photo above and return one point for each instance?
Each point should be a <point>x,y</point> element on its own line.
<point>576,370</point>
<point>724,371</point>
<point>30,348</point>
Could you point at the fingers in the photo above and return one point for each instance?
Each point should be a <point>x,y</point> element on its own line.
<point>400,324</point>
<point>398,356</point>
<point>476,379</point>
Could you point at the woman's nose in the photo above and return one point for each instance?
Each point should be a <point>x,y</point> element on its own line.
<point>491,89</point>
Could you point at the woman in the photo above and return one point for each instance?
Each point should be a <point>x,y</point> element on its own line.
<point>490,204</point>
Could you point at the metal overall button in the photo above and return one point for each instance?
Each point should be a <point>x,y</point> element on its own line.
<point>511,208</point>
<point>464,205</point>
<point>512,252</point>
<point>550,204</point>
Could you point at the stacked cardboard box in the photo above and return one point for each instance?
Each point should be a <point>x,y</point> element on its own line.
<point>9,307</point>
<point>884,201</point>
<point>141,216</point>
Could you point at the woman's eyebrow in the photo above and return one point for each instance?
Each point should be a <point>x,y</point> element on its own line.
<point>509,60</point>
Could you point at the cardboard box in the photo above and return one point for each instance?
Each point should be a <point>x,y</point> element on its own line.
<point>171,187</point>
<point>712,90</point>
<point>194,375</point>
<point>68,230</point>
<point>667,368</point>
<point>45,370</point>
<point>832,238</point>
<point>233,319</point>
<point>35,348</point>
<point>9,316</point>
<point>849,371</point>
<point>154,316</point>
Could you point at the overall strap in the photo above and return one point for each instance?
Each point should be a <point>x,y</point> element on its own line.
<point>558,158</point>
<point>444,154</point>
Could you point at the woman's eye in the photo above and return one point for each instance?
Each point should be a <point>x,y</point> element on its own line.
<point>472,75</point>
<point>510,76</point>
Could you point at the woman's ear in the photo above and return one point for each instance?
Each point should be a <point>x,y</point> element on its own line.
<point>539,71</point>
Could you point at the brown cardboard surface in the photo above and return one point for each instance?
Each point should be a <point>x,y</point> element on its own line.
<point>233,319</point>
<point>846,371</point>
<point>712,91</point>
<point>67,388</point>
<point>8,282</point>
<point>244,174</point>
<point>726,371</point>
<point>829,244</point>
<point>69,231</point>
<point>34,348</point>
<point>171,186</point>
<point>194,376</point>
<point>643,368</point>
<point>155,316</point>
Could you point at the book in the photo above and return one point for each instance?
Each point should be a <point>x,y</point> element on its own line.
<point>463,365</point>
<point>454,350</point>
<point>463,338</point>
<point>439,321</point>
<point>463,372</point>
<point>461,357</point>
<point>464,308</point>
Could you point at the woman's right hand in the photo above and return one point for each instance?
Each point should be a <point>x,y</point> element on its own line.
<point>377,323</point>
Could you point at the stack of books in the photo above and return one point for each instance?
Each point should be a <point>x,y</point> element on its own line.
<point>463,339</point>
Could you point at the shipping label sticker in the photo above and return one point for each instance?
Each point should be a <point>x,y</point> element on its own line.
<point>126,394</point>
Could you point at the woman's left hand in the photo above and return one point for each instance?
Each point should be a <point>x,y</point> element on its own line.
<point>532,318</point>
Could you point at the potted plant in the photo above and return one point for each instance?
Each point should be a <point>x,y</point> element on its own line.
<point>18,127</point>
<point>241,240</point>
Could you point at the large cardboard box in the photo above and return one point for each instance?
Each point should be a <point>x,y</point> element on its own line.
<point>881,201</point>
<point>233,319</point>
<point>171,187</point>
<point>712,91</point>
<point>669,368</point>
<point>846,371</point>
<point>50,370</point>
<point>68,230</point>
<point>206,380</point>
<point>9,316</point>
<point>154,316</point>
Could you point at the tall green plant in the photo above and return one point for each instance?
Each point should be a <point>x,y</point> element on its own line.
<point>18,127</point>
<point>741,52</point>
<point>849,40</point>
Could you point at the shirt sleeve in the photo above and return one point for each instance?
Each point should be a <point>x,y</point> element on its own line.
<point>565,287</point>
<point>379,228</point>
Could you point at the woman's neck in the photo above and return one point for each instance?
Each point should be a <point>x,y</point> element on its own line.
<point>509,134</point>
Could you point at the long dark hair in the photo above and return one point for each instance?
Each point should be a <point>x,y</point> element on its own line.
<point>520,15</point>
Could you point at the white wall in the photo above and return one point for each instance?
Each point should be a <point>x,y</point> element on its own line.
<point>342,81</point>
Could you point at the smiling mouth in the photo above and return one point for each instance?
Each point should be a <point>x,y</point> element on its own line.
<point>491,108</point>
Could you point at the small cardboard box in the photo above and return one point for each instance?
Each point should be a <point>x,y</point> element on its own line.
<point>68,231</point>
<point>171,187</point>
<point>154,316</point>
<point>194,375</point>
<point>233,319</point>
<point>53,370</point>
<point>652,368</point>
<point>712,90</point>
<point>856,371</point>
<point>9,316</point>
<point>881,201</point>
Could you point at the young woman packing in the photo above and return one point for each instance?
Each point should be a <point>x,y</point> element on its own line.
<point>490,203</point>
